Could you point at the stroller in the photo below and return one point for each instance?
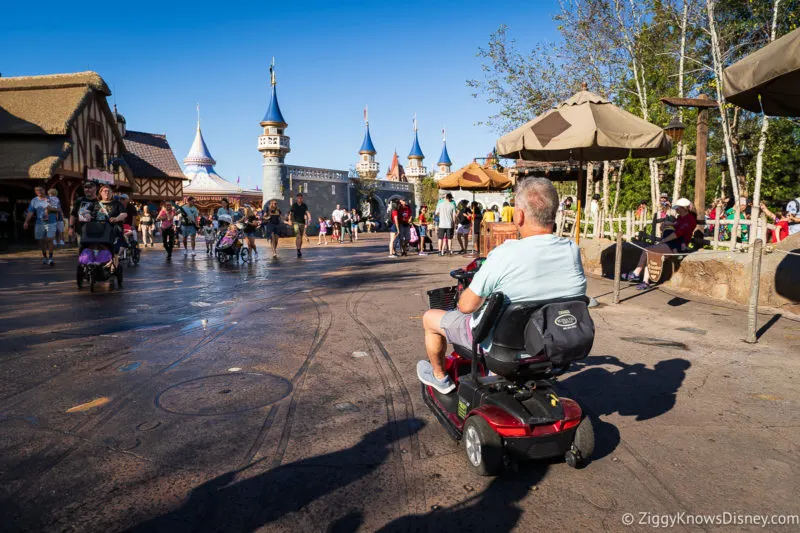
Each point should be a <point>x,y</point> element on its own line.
<point>95,260</point>
<point>414,243</point>
<point>231,242</point>
<point>130,247</point>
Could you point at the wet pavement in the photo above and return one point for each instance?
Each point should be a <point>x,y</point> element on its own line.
<point>281,396</point>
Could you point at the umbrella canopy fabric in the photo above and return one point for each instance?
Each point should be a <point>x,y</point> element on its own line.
<point>772,72</point>
<point>475,177</point>
<point>587,127</point>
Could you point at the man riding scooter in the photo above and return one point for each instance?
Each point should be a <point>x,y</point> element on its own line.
<point>538,266</point>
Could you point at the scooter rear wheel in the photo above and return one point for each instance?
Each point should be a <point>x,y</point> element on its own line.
<point>583,444</point>
<point>484,447</point>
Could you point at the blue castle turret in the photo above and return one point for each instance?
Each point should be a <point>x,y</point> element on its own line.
<point>416,169</point>
<point>273,144</point>
<point>367,168</point>
<point>444,163</point>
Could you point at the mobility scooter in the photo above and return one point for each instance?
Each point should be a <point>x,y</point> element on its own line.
<point>504,405</point>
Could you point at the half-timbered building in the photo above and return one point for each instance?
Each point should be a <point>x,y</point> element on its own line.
<point>57,131</point>
<point>157,176</point>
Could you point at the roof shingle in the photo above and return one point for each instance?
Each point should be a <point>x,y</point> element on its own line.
<point>150,156</point>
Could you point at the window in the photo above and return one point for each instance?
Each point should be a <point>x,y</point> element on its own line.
<point>305,186</point>
<point>333,189</point>
<point>98,157</point>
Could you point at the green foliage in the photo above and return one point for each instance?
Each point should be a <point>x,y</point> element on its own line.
<point>430,192</point>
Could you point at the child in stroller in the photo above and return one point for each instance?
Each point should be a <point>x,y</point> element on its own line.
<point>230,244</point>
<point>96,258</point>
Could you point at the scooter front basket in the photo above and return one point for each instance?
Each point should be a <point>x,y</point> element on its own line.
<point>445,298</point>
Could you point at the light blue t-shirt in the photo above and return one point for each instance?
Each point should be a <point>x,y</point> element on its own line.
<point>39,207</point>
<point>541,267</point>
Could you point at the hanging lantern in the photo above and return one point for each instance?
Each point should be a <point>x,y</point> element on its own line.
<point>744,157</point>
<point>674,129</point>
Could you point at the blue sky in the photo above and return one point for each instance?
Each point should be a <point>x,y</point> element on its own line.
<point>162,58</point>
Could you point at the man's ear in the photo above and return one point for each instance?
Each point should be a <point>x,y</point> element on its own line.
<point>519,217</point>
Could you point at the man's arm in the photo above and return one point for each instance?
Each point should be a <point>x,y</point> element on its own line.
<point>28,218</point>
<point>307,218</point>
<point>469,302</point>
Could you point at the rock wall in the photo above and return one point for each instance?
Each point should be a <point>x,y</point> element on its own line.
<point>725,276</point>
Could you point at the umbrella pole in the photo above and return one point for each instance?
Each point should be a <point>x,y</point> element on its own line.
<point>581,195</point>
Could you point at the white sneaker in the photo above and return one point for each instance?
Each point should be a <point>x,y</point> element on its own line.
<point>192,253</point>
<point>44,260</point>
<point>185,252</point>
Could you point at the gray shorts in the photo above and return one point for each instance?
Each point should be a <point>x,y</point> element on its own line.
<point>457,329</point>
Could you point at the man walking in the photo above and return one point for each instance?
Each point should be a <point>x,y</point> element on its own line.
<point>46,219</point>
<point>299,217</point>
<point>446,211</point>
<point>190,215</point>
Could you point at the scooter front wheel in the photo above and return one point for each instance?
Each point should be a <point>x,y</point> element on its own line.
<point>484,447</point>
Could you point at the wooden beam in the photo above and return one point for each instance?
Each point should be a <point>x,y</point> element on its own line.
<point>704,102</point>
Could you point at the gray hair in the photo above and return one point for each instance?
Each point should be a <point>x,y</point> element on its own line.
<point>538,199</point>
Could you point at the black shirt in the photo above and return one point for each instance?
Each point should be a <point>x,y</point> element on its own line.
<point>274,217</point>
<point>298,212</point>
<point>132,213</point>
<point>476,221</point>
<point>463,218</point>
<point>250,224</point>
<point>83,211</point>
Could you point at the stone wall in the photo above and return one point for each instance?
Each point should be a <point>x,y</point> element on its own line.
<point>725,276</point>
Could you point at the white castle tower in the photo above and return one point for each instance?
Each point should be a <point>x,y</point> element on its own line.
<point>367,168</point>
<point>444,164</point>
<point>274,145</point>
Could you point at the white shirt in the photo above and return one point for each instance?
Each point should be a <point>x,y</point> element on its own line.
<point>337,215</point>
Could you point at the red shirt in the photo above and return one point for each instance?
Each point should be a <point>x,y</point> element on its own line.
<point>781,229</point>
<point>403,214</point>
<point>684,227</point>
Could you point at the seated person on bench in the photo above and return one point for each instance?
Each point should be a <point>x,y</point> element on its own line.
<point>539,266</point>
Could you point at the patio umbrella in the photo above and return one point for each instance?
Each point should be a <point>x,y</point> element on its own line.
<point>475,177</point>
<point>586,127</point>
<point>773,72</point>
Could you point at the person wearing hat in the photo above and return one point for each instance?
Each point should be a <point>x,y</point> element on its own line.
<point>676,242</point>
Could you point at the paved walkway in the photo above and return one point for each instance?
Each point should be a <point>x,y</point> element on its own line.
<point>281,396</point>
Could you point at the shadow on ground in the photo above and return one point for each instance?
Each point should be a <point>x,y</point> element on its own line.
<point>630,390</point>
<point>495,509</point>
<point>228,503</point>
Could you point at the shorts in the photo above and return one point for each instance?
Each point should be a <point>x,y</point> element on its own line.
<point>60,226</point>
<point>272,229</point>
<point>189,231</point>
<point>445,233</point>
<point>462,229</point>
<point>299,229</point>
<point>457,329</point>
<point>423,232</point>
<point>44,231</point>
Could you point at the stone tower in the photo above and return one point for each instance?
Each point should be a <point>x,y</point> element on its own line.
<point>444,164</point>
<point>274,145</point>
<point>416,170</point>
<point>367,168</point>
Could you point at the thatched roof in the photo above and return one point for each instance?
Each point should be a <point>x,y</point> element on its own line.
<point>45,104</point>
<point>150,156</point>
<point>32,157</point>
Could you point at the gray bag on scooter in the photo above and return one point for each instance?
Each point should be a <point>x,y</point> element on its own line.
<point>561,330</point>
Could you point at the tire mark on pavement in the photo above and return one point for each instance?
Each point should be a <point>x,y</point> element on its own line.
<point>324,323</point>
<point>415,501</point>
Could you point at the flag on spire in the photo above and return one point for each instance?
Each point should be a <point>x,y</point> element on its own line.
<point>272,71</point>
<point>366,115</point>
<point>444,136</point>
<point>415,122</point>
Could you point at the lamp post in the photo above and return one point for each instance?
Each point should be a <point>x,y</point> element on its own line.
<point>703,103</point>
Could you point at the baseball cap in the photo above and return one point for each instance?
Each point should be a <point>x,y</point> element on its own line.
<point>682,202</point>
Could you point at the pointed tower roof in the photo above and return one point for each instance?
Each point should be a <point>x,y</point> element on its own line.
<point>273,115</point>
<point>198,153</point>
<point>416,151</point>
<point>396,171</point>
<point>444,159</point>
<point>367,147</point>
